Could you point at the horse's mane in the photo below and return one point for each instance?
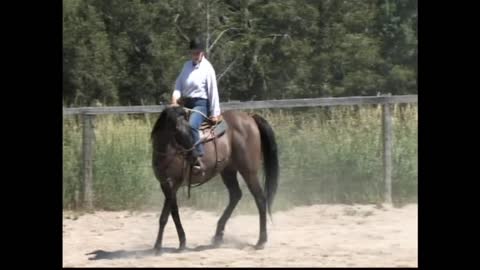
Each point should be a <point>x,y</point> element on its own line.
<point>167,125</point>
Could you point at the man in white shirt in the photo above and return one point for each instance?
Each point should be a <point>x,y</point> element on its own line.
<point>196,85</point>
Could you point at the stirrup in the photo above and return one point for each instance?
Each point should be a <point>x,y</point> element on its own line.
<point>198,166</point>
<point>197,163</point>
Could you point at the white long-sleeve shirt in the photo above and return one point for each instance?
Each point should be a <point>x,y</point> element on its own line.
<point>199,81</point>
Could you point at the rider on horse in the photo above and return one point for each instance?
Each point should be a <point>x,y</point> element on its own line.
<point>196,89</point>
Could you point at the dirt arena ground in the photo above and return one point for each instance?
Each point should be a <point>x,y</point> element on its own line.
<point>309,236</point>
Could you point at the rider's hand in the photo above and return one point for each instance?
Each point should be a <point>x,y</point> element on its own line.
<point>175,102</point>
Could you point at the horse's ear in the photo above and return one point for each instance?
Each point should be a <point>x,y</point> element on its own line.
<point>168,118</point>
<point>180,111</point>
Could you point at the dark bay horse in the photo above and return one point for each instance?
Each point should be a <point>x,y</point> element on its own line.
<point>247,142</point>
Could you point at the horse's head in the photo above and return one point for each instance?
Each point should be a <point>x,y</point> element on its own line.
<point>172,124</point>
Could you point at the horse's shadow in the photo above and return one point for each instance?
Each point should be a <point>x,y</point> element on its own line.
<point>121,254</point>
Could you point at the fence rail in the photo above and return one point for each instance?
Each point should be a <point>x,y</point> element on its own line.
<point>264,104</point>
<point>88,116</point>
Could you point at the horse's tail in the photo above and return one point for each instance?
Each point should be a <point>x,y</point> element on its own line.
<point>270,159</point>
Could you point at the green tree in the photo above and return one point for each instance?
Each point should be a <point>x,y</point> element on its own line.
<point>87,75</point>
<point>129,52</point>
<point>396,26</point>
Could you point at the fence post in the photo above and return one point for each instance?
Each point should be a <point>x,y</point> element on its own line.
<point>387,150</point>
<point>88,146</point>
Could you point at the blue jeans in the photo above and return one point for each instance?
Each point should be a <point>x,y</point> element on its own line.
<point>196,120</point>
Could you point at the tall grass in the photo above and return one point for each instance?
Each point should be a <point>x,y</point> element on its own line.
<point>72,151</point>
<point>122,173</point>
<point>327,155</point>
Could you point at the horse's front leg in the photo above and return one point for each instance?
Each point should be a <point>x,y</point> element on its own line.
<point>176,219</point>
<point>167,205</point>
<point>162,222</point>
<point>170,205</point>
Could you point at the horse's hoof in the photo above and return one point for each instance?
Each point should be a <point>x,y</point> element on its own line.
<point>157,249</point>
<point>157,252</point>
<point>260,246</point>
<point>217,241</point>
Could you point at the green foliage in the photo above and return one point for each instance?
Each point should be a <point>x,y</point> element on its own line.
<point>88,74</point>
<point>130,52</point>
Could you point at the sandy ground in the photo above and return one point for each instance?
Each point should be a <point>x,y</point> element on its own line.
<point>315,236</point>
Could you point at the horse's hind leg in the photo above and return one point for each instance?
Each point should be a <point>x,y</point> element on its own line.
<point>253,184</point>
<point>230,180</point>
